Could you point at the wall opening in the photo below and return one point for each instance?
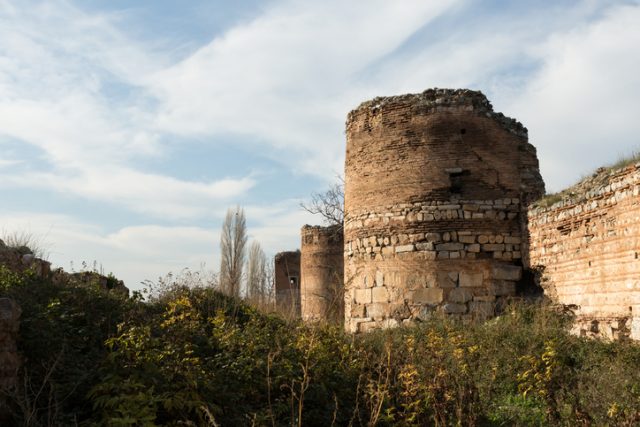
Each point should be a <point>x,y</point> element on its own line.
<point>457,178</point>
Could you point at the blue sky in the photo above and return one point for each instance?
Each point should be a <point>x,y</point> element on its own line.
<point>128,128</point>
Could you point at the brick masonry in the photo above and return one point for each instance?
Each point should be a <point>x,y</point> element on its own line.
<point>436,186</point>
<point>322,272</point>
<point>587,246</point>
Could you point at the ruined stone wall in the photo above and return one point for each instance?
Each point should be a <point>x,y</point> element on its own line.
<point>588,247</point>
<point>435,189</point>
<point>21,259</point>
<point>322,271</point>
<point>287,282</point>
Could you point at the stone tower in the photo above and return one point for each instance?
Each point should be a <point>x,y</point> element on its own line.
<point>436,189</point>
<point>287,282</point>
<point>322,271</point>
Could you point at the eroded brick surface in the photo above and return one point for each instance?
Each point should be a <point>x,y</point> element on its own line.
<point>588,247</point>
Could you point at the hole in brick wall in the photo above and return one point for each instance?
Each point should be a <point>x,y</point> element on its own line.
<point>589,263</point>
<point>463,131</point>
<point>456,178</point>
<point>636,255</point>
<point>293,281</point>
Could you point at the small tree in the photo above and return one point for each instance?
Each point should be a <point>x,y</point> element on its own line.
<point>256,274</point>
<point>233,241</point>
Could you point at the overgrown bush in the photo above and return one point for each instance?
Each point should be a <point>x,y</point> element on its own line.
<point>192,356</point>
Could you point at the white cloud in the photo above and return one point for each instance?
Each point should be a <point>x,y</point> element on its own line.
<point>286,77</point>
<point>58,69</point>
<point>581,108</point>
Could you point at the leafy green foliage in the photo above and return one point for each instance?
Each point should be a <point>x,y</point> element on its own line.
<point>192,356</point>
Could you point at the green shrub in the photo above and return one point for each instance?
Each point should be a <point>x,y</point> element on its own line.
<point>192,356</point>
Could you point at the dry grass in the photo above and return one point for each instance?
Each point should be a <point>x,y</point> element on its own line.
<point>26,242</point>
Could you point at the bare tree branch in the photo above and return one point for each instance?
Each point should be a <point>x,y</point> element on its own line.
<point>328,204</point>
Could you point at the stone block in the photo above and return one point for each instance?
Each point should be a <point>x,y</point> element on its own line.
<point>512,240</point>
<point>449,247</point>
<point>443,255</point>
<point>432,237</point>
<point>475,247</point>
<point>460,295</point>
<point>424,246</point>
<point>507,272</point>
<point>405,248</point>
<point>366,326</point>
<point>493,247</point>
<point>483,239</point>
<point>377,310</point>
<point>362,296</point>
<point>481,310</point>
<point>447,279</point>
<point>379,278</point>
<point>399,311</point>
<point>357,311</point>
<point>380,294</point>
<point>470,279</point>
<point>428,296</point>
<point>467,239</point>
<point>453,308</point>
<point>502,288</point>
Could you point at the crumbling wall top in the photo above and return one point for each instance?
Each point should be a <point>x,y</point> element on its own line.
<point>436,100</point>
<point>601,182</point>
